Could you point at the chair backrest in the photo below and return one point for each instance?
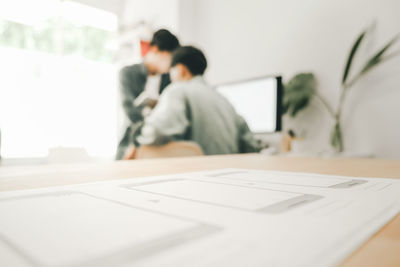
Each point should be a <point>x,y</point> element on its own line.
<point>172,149</point>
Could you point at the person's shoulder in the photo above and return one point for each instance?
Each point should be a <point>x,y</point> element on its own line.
<point>132,70</point>
<point>175,89</point>
<point>197,83</point>
<point>176,86</point>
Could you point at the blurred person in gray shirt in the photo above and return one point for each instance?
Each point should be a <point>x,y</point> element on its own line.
<point>189,109</point>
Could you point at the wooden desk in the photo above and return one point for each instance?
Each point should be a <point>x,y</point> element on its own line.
<point>383,249</point>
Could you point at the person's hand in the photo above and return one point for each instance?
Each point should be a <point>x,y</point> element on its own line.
<point>130,153</point>
<point>149,102</point>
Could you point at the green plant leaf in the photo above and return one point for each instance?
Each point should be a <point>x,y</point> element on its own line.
<point>337,138</point>
<point>352,55</point>
<point>378,57</point>
<point>298,92</point>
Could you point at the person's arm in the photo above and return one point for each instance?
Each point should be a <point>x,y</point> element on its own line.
<point>247,142</point>
<point>127,84</point>
<point>168,121</point>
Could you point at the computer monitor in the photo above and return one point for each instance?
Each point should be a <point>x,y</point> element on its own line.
<point>258,101</point>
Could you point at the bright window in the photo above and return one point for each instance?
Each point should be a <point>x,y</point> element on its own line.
<point>57,81</point>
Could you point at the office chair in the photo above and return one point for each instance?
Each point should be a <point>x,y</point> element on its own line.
<point>172,149</point>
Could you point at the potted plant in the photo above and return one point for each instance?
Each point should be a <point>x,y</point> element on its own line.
<point>301,88</point>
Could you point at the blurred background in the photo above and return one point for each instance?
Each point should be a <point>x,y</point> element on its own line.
<point>59,63</point>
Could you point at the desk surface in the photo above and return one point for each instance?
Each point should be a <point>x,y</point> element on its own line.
<point>381,250</point>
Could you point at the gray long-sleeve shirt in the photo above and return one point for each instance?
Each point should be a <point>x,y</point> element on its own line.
<point>194,111</point>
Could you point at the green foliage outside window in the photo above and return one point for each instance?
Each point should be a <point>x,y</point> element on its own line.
<point>58,36</point>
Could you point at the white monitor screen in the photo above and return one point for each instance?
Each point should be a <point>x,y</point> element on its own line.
<point>257,101</point>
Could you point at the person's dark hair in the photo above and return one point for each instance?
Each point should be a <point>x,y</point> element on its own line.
<point>192,58</point>
<point>164,40</point>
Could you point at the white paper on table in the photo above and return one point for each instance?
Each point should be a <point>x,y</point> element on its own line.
<point>229,217</point>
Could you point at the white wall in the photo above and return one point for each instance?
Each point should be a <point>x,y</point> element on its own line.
<point>250,38</point>
<point>114,6</point>
<point>159,13</point>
